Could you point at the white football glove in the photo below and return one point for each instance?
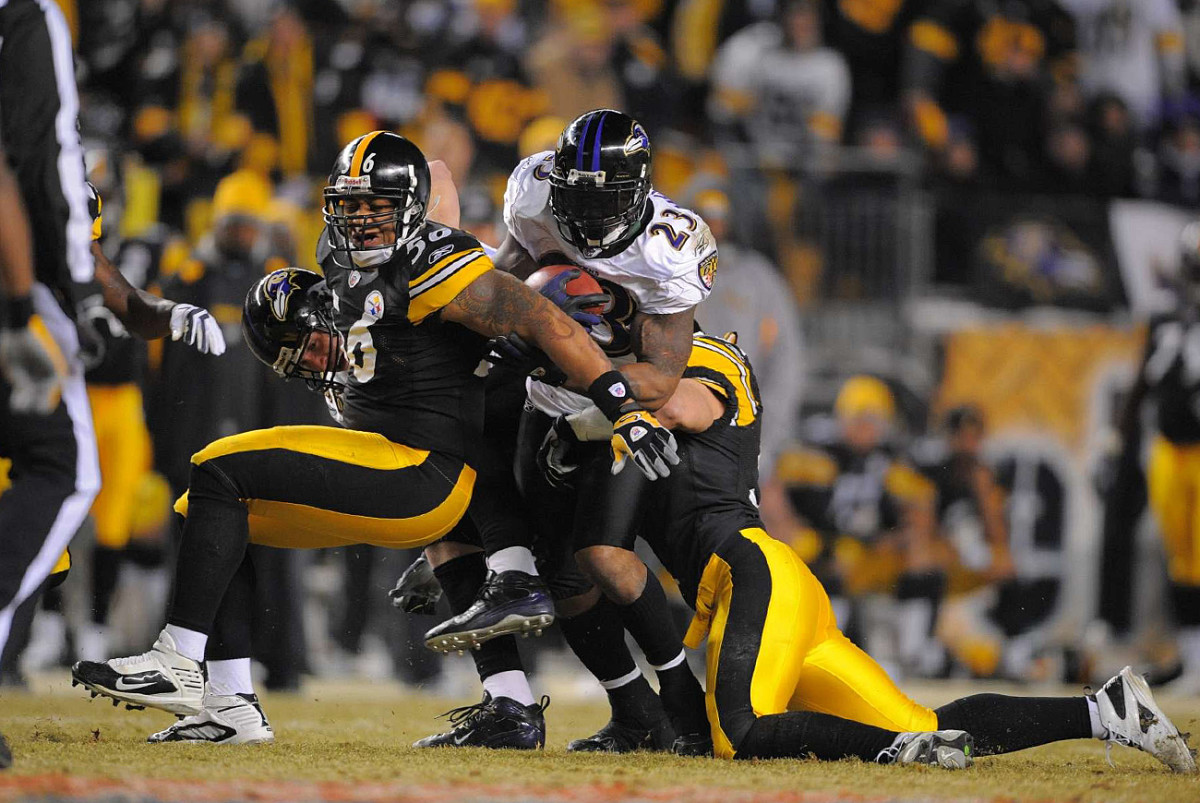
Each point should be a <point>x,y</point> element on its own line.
<point>30,370</point>
<point>196,327</point>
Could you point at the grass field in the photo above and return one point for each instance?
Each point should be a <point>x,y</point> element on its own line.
<point>350,743</point>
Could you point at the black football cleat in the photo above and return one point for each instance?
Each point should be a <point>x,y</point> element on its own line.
<point>5,754</point>
<point>499,724</point>
<point>693,744</point>
<point>625,737</point>
<point>509,602</point>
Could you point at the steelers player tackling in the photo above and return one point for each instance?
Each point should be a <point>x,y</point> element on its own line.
<point>413,303</point>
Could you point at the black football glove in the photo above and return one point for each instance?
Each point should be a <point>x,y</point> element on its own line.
<point>512,353</point>
<point>417,590</point>
<point>637,434</point>
<point>555,458</point>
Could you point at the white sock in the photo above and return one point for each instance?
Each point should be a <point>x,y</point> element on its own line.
<point>1098,730</point>
<point>1189,649</point>
<point>512,559</point>
<point>231,676</point>
<point>511,684</point>
<point>671,664</point>
<point>624,680</point>
<point>189,642</point>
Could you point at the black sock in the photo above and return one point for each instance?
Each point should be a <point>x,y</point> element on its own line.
<point>1002,724</point>
<point>233,627</point>
<point>598,640</point>
<point>215,535</point>
<point>799,734</point>
<point>461,579</point>
<point>648,619</point>
<point>106,569</point>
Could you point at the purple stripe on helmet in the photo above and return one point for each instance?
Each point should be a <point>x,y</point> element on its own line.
<point>596,143</point>
<point>580,144</point>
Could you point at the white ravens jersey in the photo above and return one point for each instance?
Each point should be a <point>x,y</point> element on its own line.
<point>668,268</point>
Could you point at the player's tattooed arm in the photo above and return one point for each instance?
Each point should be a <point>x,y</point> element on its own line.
<point>143,313</point>
<point>498,304</point>
<point>663,344</point>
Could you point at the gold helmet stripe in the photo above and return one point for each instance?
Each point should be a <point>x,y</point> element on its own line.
<point>360,153</point>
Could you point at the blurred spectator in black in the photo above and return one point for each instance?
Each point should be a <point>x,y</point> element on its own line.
<point>648,85</point>
<point>871,35</point>
<point>275,89</point>
<point>776,86</point>
<point>1132,49</point>
<point>1178,179</point>
<point>996,63</point>
<point>479,214</point>
<point>1068,159</point>
<point>1114,145</point>
<point>197,398</point>
<point>483,82</point>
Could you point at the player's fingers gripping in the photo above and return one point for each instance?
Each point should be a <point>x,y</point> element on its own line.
<point>214,339</point>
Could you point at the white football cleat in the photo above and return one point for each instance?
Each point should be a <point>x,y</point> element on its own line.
<point>1132,718</point>
<point>162,678</point>
<point>948,749</point>
<point>224,719</point>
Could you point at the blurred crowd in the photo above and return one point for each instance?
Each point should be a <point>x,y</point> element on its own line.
<point>210,126</point>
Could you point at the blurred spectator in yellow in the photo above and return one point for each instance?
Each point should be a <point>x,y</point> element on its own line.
<point>869,521</point>
<point>540,135</point>
<point>275,88</point>
<point>776,86</point>
<point>573,63</point>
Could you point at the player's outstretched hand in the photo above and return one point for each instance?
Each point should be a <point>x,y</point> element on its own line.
<point>556,291</point>
<point>196,327</point>
<point>637,435</point>
<point>29,368</point>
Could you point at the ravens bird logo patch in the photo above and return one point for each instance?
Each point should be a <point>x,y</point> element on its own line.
<point>278,289</point>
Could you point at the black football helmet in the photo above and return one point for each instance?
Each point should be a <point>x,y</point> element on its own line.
<point>281,312</point>
<point>378,165</point>
<point>600,181</point>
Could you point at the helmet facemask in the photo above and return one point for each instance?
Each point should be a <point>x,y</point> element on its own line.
<point>370,238</point>
<point>288,364</point>
<point>595,216</point>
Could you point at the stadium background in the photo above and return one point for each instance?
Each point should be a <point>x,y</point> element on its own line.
<point>975,201</point>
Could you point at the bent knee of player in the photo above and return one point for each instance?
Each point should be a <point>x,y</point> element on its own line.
<point>207,482</point>
<point>618,572</point>
<point>440,552</point>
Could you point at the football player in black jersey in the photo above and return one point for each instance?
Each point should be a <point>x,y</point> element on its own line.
<point>782,680</point>
<point>1169,376</point>
<point>413,303</point>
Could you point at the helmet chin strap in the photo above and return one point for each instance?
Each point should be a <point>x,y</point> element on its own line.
<point>371,259</point>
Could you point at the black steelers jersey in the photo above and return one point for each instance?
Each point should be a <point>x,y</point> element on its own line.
<point>1171,370</point>
<point>710,495</point>
<point>411,376</point>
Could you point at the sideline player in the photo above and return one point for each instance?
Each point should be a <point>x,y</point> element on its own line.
<point>45,419</point>
<point>590,203</point>
<point>412,305</point>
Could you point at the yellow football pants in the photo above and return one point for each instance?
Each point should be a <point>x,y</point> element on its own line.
<point>307,487</point>
<point>1173,486</point>
<point>124,446</point>
<point>774,646</point>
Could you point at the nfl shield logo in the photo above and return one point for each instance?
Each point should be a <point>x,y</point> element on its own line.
<point>354,277</point>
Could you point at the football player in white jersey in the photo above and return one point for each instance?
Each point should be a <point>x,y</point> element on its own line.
<point>590,203</point>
